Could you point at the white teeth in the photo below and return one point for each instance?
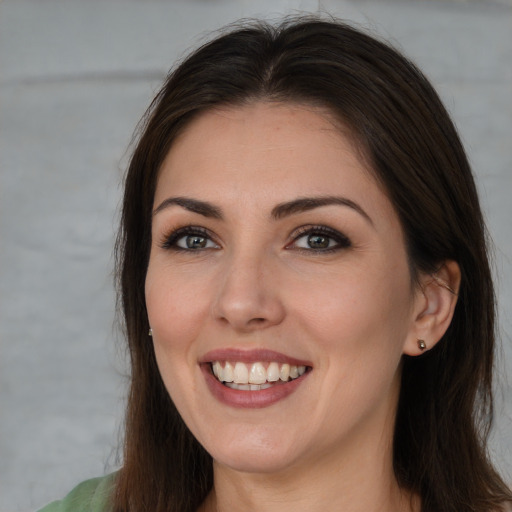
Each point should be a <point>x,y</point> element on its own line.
<point>217,370</point>
<point>255,377</point>
<point>241,374</point>
<point>228,373</point>
<point>273,372</point>
<point>245,387</point>
<point>284,372</point>
<point>258,374</point>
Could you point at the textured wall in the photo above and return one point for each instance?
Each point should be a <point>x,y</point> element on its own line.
<point>75,77</point>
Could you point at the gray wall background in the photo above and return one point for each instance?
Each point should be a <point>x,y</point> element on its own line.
<point>75,77</point>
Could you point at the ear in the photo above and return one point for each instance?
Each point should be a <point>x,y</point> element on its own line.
<point>434,304</point>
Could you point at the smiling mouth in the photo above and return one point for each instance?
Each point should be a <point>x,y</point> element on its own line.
<point>255,376</point>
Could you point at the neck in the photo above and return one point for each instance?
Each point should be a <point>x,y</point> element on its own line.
<point>359,480</point>
<point>274,493</point>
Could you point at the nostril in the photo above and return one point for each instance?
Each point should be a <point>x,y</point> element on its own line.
<point>257,322</point>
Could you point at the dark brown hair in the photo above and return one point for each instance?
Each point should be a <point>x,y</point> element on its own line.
<point>405,133</point>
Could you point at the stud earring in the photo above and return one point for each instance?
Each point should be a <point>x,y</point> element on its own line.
<point>422,345</point>
<point>150,332</point>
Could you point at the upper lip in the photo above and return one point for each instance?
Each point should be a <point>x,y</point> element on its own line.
<point>250,356</point>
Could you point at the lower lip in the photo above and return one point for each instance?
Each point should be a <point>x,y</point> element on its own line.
<point>249,399</point>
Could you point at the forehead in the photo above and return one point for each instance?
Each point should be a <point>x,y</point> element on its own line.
<point>265,150</point>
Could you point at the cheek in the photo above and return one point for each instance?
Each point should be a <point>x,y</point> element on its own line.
<point>359,324</point>
<point>362,306</point>
<point>174,308</point>
<point>175,301</point>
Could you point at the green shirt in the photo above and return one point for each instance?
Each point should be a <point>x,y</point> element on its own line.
<point>89,496</point>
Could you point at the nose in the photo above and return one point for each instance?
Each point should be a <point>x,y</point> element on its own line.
<point>248,297</point>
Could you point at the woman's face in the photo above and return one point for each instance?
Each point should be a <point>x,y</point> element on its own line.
<point>278,262</point>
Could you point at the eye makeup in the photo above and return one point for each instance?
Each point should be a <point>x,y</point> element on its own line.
<point>188,238</point>
<point>318,239</point>
<point>310,238</point>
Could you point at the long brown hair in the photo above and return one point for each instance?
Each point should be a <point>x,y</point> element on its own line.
<point>399,123</point>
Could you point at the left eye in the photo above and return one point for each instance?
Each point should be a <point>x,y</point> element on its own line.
<point>315,241</point>
<point>320,239</point>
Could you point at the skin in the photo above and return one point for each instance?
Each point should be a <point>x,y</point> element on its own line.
<point>351,312</point>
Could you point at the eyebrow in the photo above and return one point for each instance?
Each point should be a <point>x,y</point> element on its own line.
<point>279,211</point>
<point>305,204</point>
<point>193,205</point>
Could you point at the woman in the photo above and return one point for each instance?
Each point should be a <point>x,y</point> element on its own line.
<point>305,287</point>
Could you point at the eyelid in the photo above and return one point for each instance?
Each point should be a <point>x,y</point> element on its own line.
<point>342,241</point>
<point>170,237</point>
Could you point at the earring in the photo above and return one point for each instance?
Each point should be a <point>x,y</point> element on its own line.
<point>150,332</point>
<point>422,345</point>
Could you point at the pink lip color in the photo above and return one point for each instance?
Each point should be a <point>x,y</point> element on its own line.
<point>249,399</point>
<point>250,356</point>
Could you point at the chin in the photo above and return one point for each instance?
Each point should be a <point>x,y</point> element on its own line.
<point>261,456</point>
<point>251,463</point>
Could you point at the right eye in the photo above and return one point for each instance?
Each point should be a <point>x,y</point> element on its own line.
<point>189,239</point>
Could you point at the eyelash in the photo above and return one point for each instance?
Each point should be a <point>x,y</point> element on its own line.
<point>170,241</point>
<point>341,241</point>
